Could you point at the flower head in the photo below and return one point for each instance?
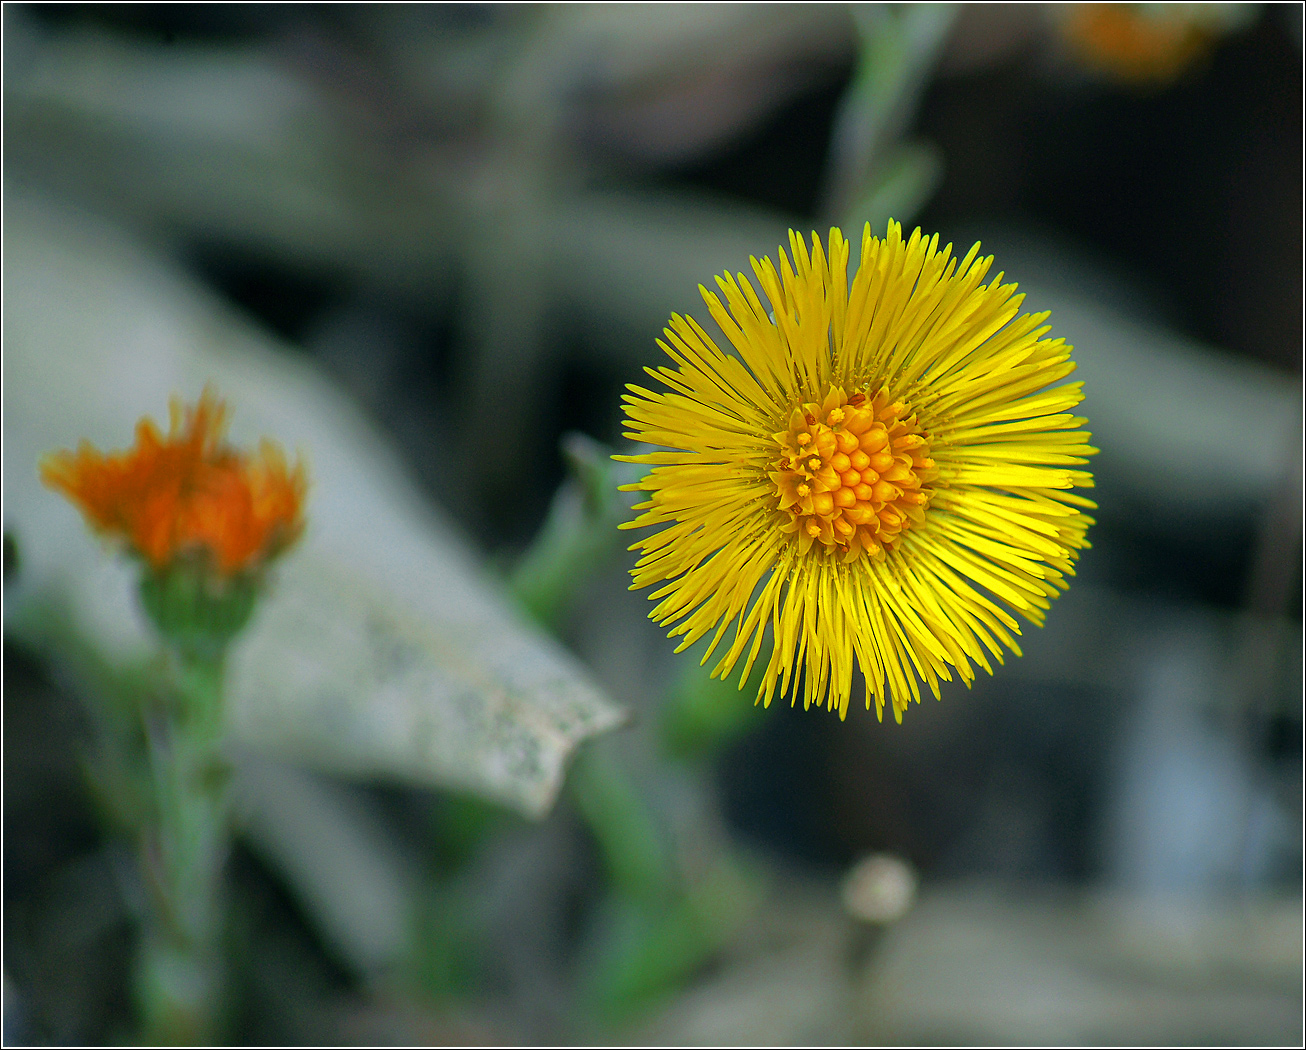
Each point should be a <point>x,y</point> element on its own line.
<point>187,494</point>
<point>1148,43</point>
<point>878,477</point>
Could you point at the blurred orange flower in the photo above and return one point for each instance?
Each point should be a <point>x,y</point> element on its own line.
<point>187,493</point>
<point>1148,43</point>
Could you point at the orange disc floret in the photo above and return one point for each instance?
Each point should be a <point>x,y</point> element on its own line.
<point>187,493</point>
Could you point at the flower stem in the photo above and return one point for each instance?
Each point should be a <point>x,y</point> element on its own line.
<point>183,854</point>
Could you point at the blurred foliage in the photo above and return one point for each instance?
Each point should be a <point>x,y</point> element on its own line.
<point>873,176</point>
<point>645,954</point>
<point>703,714</point>
<point>630,842</point>
<point>460,824</point>
<point>579,537</point>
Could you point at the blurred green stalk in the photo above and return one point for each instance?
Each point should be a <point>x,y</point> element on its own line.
<point>186,840</point>
<point>578,537</point>
<point>183,853</point>
<point>659,926</point>
<point>646,953</point>
<point>623,827</point>
<point>873,175</point>
<point>702,714</point>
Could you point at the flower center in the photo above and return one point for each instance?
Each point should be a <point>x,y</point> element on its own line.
<point>851,473</point>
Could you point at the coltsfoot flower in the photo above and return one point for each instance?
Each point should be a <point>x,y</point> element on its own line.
<point>1148,43</point>
<point>187,495</point>
<point>877,480</point>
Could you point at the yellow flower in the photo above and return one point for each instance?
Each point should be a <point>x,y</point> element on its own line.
<point>874,481</point>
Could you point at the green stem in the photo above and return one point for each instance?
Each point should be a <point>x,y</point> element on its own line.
<point>184,852</point>
<point>624,828</point>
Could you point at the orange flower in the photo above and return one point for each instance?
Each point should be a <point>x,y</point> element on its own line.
<point>1148,43</point>
<point>187,493</point>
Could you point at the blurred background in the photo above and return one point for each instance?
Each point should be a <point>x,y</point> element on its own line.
<point>446,236</point>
